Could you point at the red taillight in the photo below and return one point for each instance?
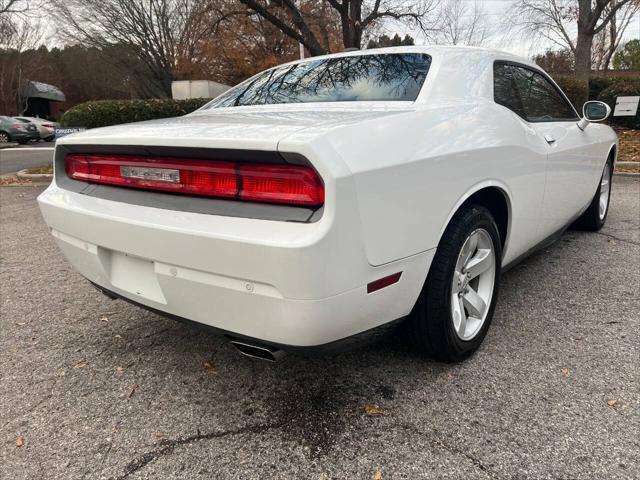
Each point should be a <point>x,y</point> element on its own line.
<point>287,184</point>
<point>48,125</point>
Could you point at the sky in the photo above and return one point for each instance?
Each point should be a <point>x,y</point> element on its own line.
<point>495,12</point>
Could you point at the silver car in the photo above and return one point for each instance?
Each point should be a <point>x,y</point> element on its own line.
<point>46,128</point>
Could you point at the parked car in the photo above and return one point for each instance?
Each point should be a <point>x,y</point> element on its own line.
<point>14,130</point>
<point>46,128</point>
<point>329,199</point>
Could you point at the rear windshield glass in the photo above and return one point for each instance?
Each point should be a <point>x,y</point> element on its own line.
<point>387,77</point>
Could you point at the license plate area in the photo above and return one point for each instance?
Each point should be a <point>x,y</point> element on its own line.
<point>135,275</point>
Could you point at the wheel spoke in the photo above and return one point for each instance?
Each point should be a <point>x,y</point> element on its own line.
<point>474,303</point>
<point>469,247</point>
<point>479,263</point>
<point>459,315</point>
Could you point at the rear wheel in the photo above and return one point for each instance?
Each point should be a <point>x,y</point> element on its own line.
<point>455,308</point>
<point>4,137</point>
<point>596,215</point>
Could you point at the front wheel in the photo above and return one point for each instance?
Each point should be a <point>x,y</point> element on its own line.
<point>596,214</point>
<point>455,308</point>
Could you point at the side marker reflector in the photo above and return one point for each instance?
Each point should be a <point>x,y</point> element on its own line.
<point>383,282</point>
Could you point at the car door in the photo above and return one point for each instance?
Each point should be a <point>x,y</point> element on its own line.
<point>570,166</point>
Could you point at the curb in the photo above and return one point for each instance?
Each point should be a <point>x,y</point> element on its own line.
<point>627,174</point>
<point>8,145</point>
<point>34,176</point>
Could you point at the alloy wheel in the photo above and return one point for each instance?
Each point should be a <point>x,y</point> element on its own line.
<point>605,186</point>
<point>473,284</point>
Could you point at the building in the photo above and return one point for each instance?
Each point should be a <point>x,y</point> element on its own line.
<point>41,99</point>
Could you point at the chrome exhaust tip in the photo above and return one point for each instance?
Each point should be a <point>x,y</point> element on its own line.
<point>261,352</point>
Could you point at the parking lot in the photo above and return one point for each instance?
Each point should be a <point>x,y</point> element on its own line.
<point>18,157</point>
<point>94,388</point>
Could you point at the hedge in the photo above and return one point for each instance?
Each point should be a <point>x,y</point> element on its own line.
<point>102,113</point>
<point>622,87</point>
<point>605,89</point>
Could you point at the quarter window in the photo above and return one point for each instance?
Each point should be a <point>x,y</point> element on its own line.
<point>529,94</point>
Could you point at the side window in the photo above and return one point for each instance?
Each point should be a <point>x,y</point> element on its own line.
<point>539,100</point>
<point>505,91</point>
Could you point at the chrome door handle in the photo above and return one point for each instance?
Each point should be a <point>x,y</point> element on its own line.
<point>549,139</point>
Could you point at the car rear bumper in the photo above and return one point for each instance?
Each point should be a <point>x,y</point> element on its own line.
<point>286,283</point>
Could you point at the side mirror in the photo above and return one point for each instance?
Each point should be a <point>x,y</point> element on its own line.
<point>593,111</point>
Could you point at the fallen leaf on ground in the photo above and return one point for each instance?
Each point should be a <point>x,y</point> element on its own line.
<point>118,336</point>
<point>21,324</point>
<point>373,410</point>
<point>160,434</point>
<point>377,475</point>
<point>612,402</point>
<point>450,376</point>
<point>565,372</point>
<point>119,369</point>
<point>133,390</point>
<point>80,365</point>
<point>19,442</point>
<point>209,367</point>
<point>104,319</point>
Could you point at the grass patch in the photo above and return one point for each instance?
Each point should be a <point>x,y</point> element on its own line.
<point>48,170</point>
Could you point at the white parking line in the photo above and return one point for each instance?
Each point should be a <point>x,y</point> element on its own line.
<point>28,149</point>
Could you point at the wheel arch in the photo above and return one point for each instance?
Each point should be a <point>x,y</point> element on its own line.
<point>495,198</point>
<point>613,153</point>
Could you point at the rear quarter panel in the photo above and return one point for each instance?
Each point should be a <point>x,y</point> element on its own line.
<point>413,170</point>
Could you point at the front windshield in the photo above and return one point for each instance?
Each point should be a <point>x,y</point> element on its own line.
<point>384,77</point>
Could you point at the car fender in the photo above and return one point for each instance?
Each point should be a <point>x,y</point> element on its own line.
<point>489,183</point>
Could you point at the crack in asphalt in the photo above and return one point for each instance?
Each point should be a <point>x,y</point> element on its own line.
<point>449,448</point>
<point>618,238</point>
<point>166,447</point>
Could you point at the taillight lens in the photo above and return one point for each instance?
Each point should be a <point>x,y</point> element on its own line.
<point>284,184</point>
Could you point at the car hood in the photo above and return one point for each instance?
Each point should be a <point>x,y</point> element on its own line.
<point>254,128</point>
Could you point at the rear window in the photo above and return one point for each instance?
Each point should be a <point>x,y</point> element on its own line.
<point>385,77</point>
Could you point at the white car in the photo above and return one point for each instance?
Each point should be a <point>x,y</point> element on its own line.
<point>46,128</point>
<point>326,200</point>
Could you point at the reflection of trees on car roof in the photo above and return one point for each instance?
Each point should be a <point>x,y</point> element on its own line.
<point>364,77</point>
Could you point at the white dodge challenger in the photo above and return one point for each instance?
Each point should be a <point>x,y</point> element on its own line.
<point>325,200</point>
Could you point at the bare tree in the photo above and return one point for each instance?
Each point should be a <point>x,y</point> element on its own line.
<point>462,24</point>
<point>608,40</point>
<point>355,17</point>
<point>163,33</point>
<point>555,20</point>
<point>14,70</point>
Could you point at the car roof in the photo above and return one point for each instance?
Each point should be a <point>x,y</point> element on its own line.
<point>433,50</point>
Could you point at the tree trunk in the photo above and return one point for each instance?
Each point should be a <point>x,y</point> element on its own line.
<point>583,60</point>
<point>351,19</point>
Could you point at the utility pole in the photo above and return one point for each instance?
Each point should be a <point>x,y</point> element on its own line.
<point>301,46</point>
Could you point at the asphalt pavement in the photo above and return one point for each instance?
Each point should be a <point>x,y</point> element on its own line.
<point>31,155</point>
<point>94,388</point>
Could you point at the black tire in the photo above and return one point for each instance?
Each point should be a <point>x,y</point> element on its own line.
<point>590,220</point>
<point>430,327</point>
<point>5,137</point>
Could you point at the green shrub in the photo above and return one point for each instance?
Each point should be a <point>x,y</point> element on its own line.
<point>622,87</point>
<point>573,89</point>
<point>597,85</point>
<point>102,113</point>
